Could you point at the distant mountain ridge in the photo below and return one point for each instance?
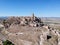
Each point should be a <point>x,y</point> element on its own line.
<point>3,17</point>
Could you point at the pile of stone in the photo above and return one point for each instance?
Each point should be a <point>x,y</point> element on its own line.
<point>23,21</point>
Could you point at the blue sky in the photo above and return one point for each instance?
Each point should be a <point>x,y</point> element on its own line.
<point>41,8</point>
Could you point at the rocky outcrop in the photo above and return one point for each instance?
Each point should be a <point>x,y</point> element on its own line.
<point>34,36</point>
<point>23,21</point>
<point>29,31</point>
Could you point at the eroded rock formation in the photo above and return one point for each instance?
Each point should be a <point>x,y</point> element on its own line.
<point>29,31</point>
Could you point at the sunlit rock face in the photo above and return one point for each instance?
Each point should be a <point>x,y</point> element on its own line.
<point>1,27</point>
<point>33,36</point>
<point>29,30</point>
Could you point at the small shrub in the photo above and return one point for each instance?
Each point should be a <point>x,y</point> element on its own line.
<point>7,42</point>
